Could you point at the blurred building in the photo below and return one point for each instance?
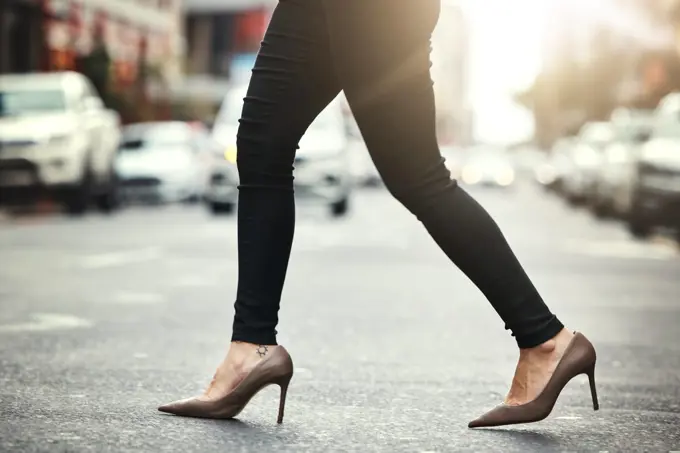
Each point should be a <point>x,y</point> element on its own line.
<point>58,32</point>
<point>223,37</point>
<point>22,38</point>
<point>670,9</point>
<point>450,69</point>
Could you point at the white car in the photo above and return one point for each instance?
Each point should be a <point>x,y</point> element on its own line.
<point>455,157</point>
<point>620,162</point>
<point>162,162</point>
<point>488,166</point>
<point>322,167</point>
<point>552,172</point>
<point>364,172</point>
<point>56,137</point>
<point>587,157</point>
<point>651,198</point>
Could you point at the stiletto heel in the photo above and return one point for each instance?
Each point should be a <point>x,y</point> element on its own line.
<point>593,390</point>
<point>275,368</point>
<point>579,356</point>
<point>282,399</point>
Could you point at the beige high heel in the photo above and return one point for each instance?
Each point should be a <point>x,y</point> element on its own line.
<point>579,358</point>
<point>277,368</point>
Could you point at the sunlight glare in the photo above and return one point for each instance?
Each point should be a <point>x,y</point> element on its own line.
<point>506,49</point>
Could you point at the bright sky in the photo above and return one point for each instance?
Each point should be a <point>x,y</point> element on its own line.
<point>505,53</point>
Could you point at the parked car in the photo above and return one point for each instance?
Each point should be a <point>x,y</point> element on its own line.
<point>221,194</point>
<point>322,166</point>
<point>57,139</point>
<point>454,159</point>
<point>551,173</point>
<point>162,162</point>
<point>586,156</point>
<point>488,165</point>
<point>527,160</point>
<point>653,197</point>
<point>619,160</point>
<point>362,168</point>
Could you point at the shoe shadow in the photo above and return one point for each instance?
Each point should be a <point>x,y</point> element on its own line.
<point>529,439</point>
<point>231,422</point>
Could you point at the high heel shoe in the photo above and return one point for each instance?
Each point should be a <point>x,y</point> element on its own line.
<point>277,368</point>
<point>578,358</point>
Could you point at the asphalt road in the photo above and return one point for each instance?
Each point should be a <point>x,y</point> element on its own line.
<point>102,319</point>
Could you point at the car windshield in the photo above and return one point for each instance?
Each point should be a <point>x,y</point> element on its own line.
<point>24,102</point>
<point>141,138</point>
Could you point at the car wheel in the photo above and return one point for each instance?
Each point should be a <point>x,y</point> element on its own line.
<point>601,209</point>
<point>574,200</point>
<point>638,227</point>
<point>109,200</point>
<point>77,199</point>
<point>192,199</point>
<point>372,182</point>
<point>221,208</point>
<point>340,208</point>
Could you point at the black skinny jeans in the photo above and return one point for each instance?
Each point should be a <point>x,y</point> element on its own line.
<point>377,51</point>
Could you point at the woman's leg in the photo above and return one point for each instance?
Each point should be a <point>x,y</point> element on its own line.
<point>292,81</point>
<point>382,55</point>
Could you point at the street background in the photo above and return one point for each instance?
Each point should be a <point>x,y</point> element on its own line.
<point>117,283</point>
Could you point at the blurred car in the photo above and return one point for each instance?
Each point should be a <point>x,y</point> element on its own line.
<point>488,166</point>
<point>362,167</point>
<point>527,160</point>
<point>454,159</point>
<point>552,171</point>
<point>162,162</point>
<point>57,139</point>
<point>586,156</point>
<point>619,160</point>
<point>322,166</point>
<point>653,198</point>
<point>221,193</point>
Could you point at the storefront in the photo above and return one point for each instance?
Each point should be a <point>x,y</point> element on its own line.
<point>21,36</point>
<point>129,31</point>
<point>222,42</point>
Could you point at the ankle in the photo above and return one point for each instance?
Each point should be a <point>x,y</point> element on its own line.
<point>549,347</point>
<point>542,349</point>
<point>241,353</point>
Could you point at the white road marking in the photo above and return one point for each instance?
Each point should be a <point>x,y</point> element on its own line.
<point>567,417</point>
<point>122,258</point>
<point>621,249</point>
<point>318,237</point>
<point>139,298</point>
<point>45,322</point>
<point>195,281</point>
